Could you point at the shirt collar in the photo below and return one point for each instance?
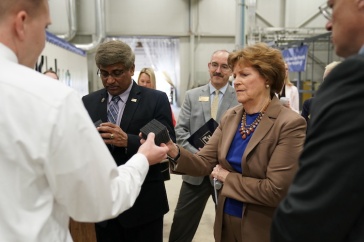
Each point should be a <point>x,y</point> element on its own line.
<point>7,53</point>
<point>361,51</point>
<point>123,96</point>
<point>222,90</point>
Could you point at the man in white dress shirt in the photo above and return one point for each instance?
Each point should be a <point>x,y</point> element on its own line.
<point>54,165</point>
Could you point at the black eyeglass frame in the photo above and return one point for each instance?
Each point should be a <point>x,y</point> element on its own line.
<point>224,67</point>
<point>114,73</point>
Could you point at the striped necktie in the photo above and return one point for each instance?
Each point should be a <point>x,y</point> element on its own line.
<point>113,110</point>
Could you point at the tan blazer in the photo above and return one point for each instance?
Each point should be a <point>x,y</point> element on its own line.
<point>269,163</point>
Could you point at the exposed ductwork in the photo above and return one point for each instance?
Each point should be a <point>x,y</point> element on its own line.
<point>240,24</point>
<point>100,32</point>
<point>72,21</point>
<point>192,10</point>
<point>252,9</point>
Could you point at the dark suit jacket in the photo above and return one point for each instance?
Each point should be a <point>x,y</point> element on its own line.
<point>142,106</point>
<point>306,109</point>
<point>326,200</point>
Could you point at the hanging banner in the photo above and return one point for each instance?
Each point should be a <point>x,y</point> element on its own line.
<point>296,58</point>
<point>51,38</point>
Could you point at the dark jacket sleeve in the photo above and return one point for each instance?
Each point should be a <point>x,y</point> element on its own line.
<point>326,200</point>
<point>306,109</point>
<point>161,112</point>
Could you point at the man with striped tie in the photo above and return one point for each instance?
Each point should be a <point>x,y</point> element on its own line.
<point>124,108</point>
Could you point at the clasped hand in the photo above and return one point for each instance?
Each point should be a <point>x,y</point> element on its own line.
<point>219,173</point>
<point>155,154</point>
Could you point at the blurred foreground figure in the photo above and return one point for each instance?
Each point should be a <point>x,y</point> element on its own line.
<point>326,200</point>
<point>54,165</point>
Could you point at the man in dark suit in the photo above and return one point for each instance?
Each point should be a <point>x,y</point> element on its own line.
<point>326,200</point>
<point>124,108</point>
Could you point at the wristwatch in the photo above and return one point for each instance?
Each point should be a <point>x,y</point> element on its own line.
<point>174,160</point>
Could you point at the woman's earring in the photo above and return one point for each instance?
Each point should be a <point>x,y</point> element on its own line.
<point>267,86</point>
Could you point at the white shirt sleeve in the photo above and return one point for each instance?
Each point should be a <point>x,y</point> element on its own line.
<point>81,171</point>
<point>294,98</point>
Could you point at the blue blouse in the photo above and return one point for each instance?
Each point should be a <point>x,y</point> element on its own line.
<point>234,156</point>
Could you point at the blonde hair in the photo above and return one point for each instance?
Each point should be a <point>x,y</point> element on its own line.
<point>329,68</point>
<point>287,81</point>
<point>150,73</point>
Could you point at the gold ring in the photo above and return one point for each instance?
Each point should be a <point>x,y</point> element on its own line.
<point>111,136</point>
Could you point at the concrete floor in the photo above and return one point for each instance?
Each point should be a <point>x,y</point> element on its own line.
<point>205,230</point>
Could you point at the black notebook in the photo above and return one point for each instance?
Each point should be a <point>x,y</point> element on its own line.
<point>203,134</point>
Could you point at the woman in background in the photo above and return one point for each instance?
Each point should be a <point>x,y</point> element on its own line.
<point>147,79</point>
<point>289,91</point>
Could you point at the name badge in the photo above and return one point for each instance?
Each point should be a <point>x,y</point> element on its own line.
<point>203,99</point>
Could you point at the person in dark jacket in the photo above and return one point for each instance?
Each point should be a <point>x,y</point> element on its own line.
<point>325,201</point>
<point>124,108</point>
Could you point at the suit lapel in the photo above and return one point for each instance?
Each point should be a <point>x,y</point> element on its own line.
<point>206,105</point>
<point>226,102</point>
<point>101,109</point>
<point>130,106</point>
<point>262,129</point>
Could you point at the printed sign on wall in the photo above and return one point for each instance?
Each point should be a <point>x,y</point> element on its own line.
<point>296,58</point>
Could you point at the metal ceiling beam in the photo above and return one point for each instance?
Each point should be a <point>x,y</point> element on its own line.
<point>72,21</point>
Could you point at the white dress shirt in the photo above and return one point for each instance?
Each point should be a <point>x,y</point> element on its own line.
<point>53,162</point>
<point>221,92</point>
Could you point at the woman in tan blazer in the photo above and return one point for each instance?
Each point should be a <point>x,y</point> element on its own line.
<point>254,151</point>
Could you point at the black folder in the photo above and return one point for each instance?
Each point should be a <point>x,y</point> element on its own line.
<point>203,134</point>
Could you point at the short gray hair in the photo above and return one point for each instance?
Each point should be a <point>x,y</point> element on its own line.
<point>329,67</point>
<point>114,52</point>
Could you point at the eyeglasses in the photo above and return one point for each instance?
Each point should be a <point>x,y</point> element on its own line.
<point>115,73</point>
<point>326,11</point>
<point>214,66</point>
